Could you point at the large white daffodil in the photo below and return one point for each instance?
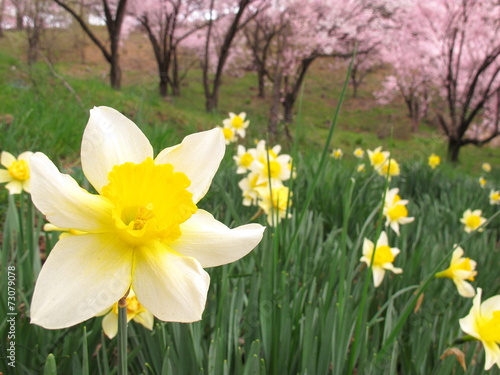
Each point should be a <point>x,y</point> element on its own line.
<point>483,323</point>
<point>142,230</point>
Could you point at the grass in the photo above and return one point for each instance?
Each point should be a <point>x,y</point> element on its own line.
<point>301,302</point>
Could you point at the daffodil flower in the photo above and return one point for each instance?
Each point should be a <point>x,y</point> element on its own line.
<point>142,231</point>
<point>472,220</point>
<point>389,168</point>
<point>360,168</point>
<point>237,122</point>
<point>135,312</point>
<point>383,258</point>
<point>395,210</point>
<point>270,166</point>
<point>495,197</point>
<point>486,167</point>
<point>377,157</point>
<point>483,323</point>
<point>229,134</point>
<point>460,270</point>
<point>434,161</point>
<point>337,153</point>
<point>482,181</point>
<point>275,203</point>
<point>248,187</point>
<point>17,174</point>
<point>244,159</point>
<point>358,152</point>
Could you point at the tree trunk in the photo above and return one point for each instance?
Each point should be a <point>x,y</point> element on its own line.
<point>261,77</point>
<point>453,149</point>
<point>211,101</point>
<point>355,85</point>
<point>176,84</point>
<point>115,74</point>
<point>19,20</point>
<point>288,109</point>
<point>163,85</point>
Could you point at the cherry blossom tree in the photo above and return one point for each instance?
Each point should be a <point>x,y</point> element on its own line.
<point>167,23</point>
<point>312,29</point>
<point>226,19</point>
<point>454,44</point>
<point>112,12</point>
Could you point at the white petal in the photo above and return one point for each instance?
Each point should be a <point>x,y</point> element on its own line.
<point>82,276</point>
<point>212,243</point>
<point>382,240</point>
<point>110,325</point>
<point>4,176</point>
<point>490,305</point>
<point>6,159</point>
<point>27,185</point>
<point>172,287</point>
<point>25,156</point>
<point>111,139</point>
<point>492,352</point>
<point>378,275</point>
<point>198,156</point>
<point>367,248</point>
<point>146,319</point>
<point>468,323</point>
<point>14,187</point>
<point>464,288</point>
<point>66,204</point>
<point>395,227</point>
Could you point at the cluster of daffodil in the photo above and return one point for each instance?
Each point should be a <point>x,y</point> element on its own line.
<point>380,160</point>
<point>263,185</point>
<point>234,127</point>
<point>494,195</point>
<point>141,239</point>
<point>483,321</point>
<point>382,255</point>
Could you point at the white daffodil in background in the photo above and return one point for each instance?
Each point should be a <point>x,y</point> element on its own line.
<point>358,152</point>
<point>17,174</point>
<point>270,165</point>
<point>360,168</point>
<point>482,181</point>
<point>389,169</point>
<point>142,230</point>
<point>434,161</point>
<point>244,159</point>
<point>486,167</point>
<point>383,258</point>
<point>337,153</point>
<point>472,220</point>
<point>483,323</point>
<point>135,312</point>
<point>495,197</point>
<point>275,203</point>
<point>377,157</point>
<point>460,270</point>
<point>395,210</point>
<point>237,122</point>
<point>229,134</point>
<point>248,187</point>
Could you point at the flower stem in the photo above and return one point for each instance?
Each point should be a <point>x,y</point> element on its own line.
<point>122,336</point>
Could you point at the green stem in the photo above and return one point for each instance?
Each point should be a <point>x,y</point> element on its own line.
<point>122,336</point>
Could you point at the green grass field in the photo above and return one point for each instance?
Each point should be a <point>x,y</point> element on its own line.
<point>301,302</point>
